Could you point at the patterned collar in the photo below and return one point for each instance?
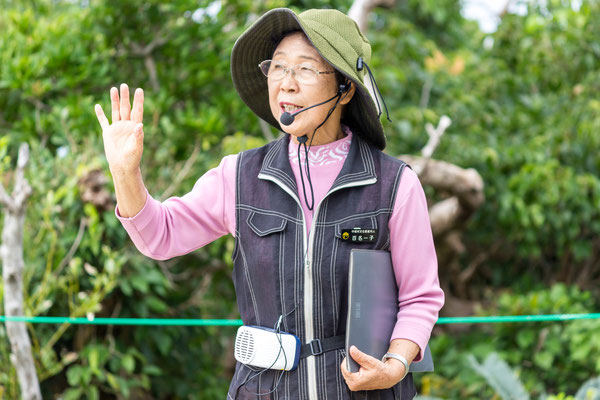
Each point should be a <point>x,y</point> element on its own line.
<point>358,168</point>
<point>324,154</point>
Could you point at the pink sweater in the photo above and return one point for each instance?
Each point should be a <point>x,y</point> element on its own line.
<point>180,225</point>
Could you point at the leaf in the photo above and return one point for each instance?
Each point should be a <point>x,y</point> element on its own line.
<point>525,338</point>
<point>72,394</point>
<point>156,304</point>
<point>164,342</point>
<point>590,390</point>
<point>112,381</point>
<point>140,283</point>
<point>92,393</point>
<point>499,375</point>
<point>93,357</point>
<point>86,376</point>
<point>128,363</point>
<point>152,370</point>
<point>544,360</point>
<point>74,375</point>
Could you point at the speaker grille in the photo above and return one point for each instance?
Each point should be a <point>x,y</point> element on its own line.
<point>244,346</point>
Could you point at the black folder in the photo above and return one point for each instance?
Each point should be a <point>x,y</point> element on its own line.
<point>373,308</point>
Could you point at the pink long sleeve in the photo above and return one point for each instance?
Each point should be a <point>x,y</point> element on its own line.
<point>182,224</point>
<point>415,264</point>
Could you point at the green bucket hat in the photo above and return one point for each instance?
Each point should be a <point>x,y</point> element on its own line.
<point>337,39</point>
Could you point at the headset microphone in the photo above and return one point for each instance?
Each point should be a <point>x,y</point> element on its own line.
<point>288,119</point>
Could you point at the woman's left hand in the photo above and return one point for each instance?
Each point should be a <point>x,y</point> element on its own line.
<point>373,373</point>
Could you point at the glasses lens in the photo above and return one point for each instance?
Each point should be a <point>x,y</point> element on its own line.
<point>306,74</point>
<point>276,70</point>
<point>273,69</point>
<point>264,67</point>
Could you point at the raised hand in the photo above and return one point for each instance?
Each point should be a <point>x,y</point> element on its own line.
<point>124,138</point>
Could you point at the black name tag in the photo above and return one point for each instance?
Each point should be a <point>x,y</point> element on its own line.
<point>358,235</point>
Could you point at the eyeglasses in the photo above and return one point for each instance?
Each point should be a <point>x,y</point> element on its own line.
<point>303,73</point>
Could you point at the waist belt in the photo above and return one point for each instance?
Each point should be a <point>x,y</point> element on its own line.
<point>320,346</point>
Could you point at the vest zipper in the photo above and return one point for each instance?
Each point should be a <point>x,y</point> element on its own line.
<point>308,276</point>
<point>308,293</point>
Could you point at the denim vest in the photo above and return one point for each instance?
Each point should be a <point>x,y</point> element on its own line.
<point>279,271</point>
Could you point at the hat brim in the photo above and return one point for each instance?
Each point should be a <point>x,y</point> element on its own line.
<point>258,42</point>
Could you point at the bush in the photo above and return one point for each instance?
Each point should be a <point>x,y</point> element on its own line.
<point>548,357</point>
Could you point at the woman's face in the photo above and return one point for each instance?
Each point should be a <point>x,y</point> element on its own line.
<point>287,94</point>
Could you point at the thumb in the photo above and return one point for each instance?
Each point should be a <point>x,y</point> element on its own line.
<point>363,359</point>
<point>138,132</point>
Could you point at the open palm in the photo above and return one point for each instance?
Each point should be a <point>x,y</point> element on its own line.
<point>124,138</point>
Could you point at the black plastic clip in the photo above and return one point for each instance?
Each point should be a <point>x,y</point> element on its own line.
<point>319,350</point>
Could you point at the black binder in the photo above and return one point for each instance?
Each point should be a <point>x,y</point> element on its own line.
<point>373,308</point>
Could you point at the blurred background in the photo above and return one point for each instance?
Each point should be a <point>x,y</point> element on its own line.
<point>520,81</point>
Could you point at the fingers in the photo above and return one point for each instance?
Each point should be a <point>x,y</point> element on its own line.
<point>137,113</point>
<point>125,108</point>
<point>138,131</point>
<point>353,380</point>
<point>363,359</point>
<point>345,373</point>
<point>368,377</point>
<point>114,104</point>
<point>101,117</point>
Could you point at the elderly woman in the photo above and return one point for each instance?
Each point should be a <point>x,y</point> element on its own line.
<point>286,204</point>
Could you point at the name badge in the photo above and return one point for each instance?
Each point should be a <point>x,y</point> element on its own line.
<point>359,235</point>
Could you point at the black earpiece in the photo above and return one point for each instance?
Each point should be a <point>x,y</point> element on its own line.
<point>344,87</point>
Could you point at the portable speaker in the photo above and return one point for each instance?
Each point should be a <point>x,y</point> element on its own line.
<point>264,348</point>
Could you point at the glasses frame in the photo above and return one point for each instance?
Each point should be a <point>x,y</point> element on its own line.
<point>287,69</point>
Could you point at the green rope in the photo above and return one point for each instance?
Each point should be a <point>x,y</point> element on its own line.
<point>238,322</point>
<point>516,318</point>
<point>125,321</point>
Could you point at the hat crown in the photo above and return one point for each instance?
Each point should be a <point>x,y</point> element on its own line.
<point>341,33</point>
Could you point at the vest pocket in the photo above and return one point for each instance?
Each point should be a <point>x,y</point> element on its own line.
<point>265,224</point>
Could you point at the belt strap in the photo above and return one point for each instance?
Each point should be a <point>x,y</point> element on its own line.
<point>320,346</point>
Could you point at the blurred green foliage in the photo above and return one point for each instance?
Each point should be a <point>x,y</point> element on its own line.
<point>548,357</point>
<point>502,378</point>
<point>525,114</point>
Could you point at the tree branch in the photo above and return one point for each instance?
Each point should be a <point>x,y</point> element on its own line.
<point>22,190</point>
<point>151,67</point>
<point>361,8</point>
<point>5,199</point>
<point>146,53</point>
<point>183,173</point>
<point>505,9</point>
<point>426,93</point>
<point>466,184</point>
<point>74,247</point>
<point>12,274</point>
<point>266,130</point>
<point>435,135</point>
